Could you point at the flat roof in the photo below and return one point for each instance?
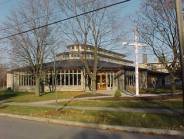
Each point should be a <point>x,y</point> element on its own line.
<point>102,49</point>
<point>74,64</point>
<point>121,59</point>
<point>78,64</point>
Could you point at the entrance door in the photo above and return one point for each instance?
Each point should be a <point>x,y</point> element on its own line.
<point>101,82</point>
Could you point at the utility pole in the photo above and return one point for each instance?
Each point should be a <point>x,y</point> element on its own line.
<point>180,24</point>
<point>136,64</point>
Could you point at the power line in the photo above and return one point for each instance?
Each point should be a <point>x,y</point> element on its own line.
<point>65,19</point>
<point>37,18</point>
<point>25,22</point>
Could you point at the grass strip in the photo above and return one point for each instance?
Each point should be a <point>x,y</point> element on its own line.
<point>111,118</point>
<point>171,104</point>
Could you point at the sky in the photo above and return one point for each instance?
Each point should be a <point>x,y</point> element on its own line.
<point>125,12</point>
<point>6,6</point>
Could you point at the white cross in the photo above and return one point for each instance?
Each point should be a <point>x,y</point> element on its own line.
<point>136,44</point>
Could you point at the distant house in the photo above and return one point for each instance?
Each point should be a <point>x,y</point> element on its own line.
<point>114,71</point>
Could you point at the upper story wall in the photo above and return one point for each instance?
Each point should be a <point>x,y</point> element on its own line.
<point>77,51</point>
<point>89,48</point>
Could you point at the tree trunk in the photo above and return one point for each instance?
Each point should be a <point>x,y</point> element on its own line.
<point>37,87</point>
<point>93,82</point>
<point>173,83</point>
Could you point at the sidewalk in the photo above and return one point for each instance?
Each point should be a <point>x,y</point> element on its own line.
<point>70,99</point>
<point>101,97</point>
<point>52,104</point>
<point>109,109</point>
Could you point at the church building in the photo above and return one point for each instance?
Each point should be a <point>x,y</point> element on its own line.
<point>114,72</point>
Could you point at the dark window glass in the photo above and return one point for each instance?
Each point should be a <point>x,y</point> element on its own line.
<point>62,79</point>
<point>58,79</point>
<point>109,80</point>
<point>79,79</point>
<point>71,79</point>
<point>25,79</point>
<point>67,79</point>
<point>30,80</point>
<point>20,79</point>
<point>112,80</point>
<point>75,79</point>
<point>33,80</point>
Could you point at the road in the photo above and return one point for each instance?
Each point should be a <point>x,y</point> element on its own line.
<point>11,128</point>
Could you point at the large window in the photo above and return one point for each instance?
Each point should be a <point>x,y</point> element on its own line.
<point>64,78</point>
<point>130,78</point>
<point>110,79</point>
<point>26,80</point>
<point>70,77</point>
<point>58,79</point>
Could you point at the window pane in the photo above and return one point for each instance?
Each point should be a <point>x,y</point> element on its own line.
<point>75,79</point>
<point>109,80</point>
<point>79,79</point>
<point>71,79</point>
<point>66,79</point>
<point>25,80</point>
<point>62,79</point>
<point>58,79</point>
<point>20,79</point>
<point>112,80</point>
<point>34,83</point>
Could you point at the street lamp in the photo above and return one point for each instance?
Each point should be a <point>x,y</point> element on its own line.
<point>136,44</point>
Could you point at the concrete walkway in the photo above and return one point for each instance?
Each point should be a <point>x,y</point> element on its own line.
<point>69,99</point>
<point>52,104</point>
<point>109,109</point>
<point>101,97</point>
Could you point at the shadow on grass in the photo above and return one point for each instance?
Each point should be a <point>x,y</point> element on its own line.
<point>3,106</point>
<point>144,119</point>
<point>163,105</point>
<point>157,91</point>
<point>134,119</point>
<point>7,95</point>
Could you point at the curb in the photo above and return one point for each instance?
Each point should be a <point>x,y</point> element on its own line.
<point>99,126</point>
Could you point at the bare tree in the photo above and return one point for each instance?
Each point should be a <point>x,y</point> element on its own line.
<point>158,29</point>
<point>3,71</point>
<point>31,48</point>
<point>91,29</point>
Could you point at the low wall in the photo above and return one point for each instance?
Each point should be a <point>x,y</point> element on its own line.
<point>46,88</point>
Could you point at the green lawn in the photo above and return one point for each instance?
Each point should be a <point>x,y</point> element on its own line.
<point>30,97</point>
<point>173,104</point>
<point>111,118</point>
<point>156,91</point>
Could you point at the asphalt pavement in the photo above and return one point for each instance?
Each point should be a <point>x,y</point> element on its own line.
<point>12,128</point>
